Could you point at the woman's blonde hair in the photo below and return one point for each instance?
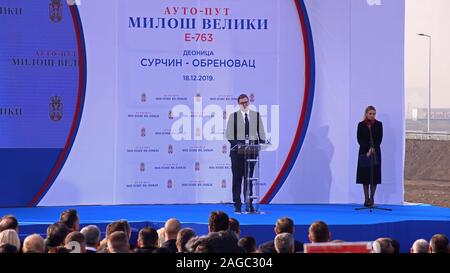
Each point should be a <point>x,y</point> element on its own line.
<point>10,237</point>
<point>368,108</point>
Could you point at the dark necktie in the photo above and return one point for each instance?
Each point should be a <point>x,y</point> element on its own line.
<point>247,126</point>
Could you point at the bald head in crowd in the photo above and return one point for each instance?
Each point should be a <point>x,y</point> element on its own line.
<point>33,244</point>
<point>420,246</point>
<point>171,229</point>
<point>319,232</point>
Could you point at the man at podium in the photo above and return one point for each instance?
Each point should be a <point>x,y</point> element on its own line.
<point>244,126</point>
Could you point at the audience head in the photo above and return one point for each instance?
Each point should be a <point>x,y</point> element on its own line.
<point>147,238</point>
<point>183,237</point>
<point>284,225</point>
<point>384,245</point>
<point>33,244</point>
<point>92,235</point>
<point>248,243</point>
<point>395,245</point>
<point>234,226</point>
<point>201,245</point>
<point>10,237</point>
<point>439,244</point>
<point>284,243</point>
<point>120,225</point>
<point>9,222</point>
<point>118,242</point>
<point>218,221</point>
<point>75,242</point>
<point>56,233</point>
<point>171,229</point>
<point>161,236</point>
<point>224,241</point>
<point>420,246</point>
<point>70,219</point>
<point>319,232</point>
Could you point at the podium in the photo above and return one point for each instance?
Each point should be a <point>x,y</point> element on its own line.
<point>251,151</point>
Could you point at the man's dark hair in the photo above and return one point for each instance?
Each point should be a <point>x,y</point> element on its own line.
<point>202,245</point>
<point>8,222</point>
<point>218,220</point>
<point>319,232</point>
<point>395,245</point>
<point>224,241</point>
<point>234,225</point>
<point>148,237</point>
<point>284,225</point>
<point>242,96</point>
<point>56,233</point>
<point>121,225</point>
<point>385,245</point>
<point>184,235</point>
<point>439,243</point>
<point>248,243</point>
<point>69,218</point>
<point>7,248</point>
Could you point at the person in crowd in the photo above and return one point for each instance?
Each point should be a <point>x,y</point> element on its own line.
<point>75,242</point>
<point>118,242</point>
<point>183,237</point>
<point>234,226</point>
<point>439,244</point>
<point>248,243</point>
<point>171,229</point>
<point>56,233</point>
<point>92,235</point>
<point>420,246</point>
<point>319,232</point>
<point>9,222</point>
<point>10,237</point>
<point>70,219</point>
<point>218,221</point>
<point>161,238</point>
<point>33,244</point>
<point>283,225</point>
<point>147,241</point>
<point>120,225</point>
<point>284,243</point>
<point>224,241</point>
<point>396,246</point>
<point>384,245</point>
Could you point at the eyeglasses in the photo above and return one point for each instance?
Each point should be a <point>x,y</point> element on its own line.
<point>243,102</point>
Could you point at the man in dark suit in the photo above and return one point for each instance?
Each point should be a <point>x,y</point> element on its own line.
<point>283,225</point>
<point>243,125</point>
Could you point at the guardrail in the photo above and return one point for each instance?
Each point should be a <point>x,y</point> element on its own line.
<point>419,135</point>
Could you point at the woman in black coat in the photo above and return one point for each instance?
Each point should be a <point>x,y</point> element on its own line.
<point>370,135</point>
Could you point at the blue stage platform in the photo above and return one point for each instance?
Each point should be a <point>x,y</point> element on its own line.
<point>405,223</point>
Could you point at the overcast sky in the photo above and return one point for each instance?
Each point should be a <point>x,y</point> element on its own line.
<point>431,17</point>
